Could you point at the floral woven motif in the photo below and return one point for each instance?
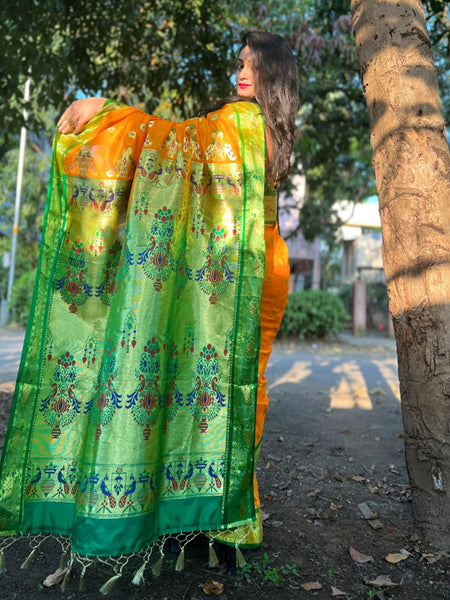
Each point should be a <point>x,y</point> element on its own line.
<point>135,404</point>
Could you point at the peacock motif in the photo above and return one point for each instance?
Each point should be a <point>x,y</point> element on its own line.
<point>206,400</point>
<point>146,401</point>
<point>61,406</point>
<point>156,260</point>
<point>73,287</point>
<point>216,274</point>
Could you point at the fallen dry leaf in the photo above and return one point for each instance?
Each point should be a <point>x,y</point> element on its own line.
<point>264,515</point>
<point>396,557</point>
<point>336,592</point>
<point>367,512</point>
<point>359,557</point>
<point>358,478</point>
<point>340,476</point>
<point>311,585</point>
<point>211,587</point>
<point>381,581</point>
<point>335,506</point>
<point>277,523</point>
<point>55,577</point>
<point>371,517</point>
<point>431,558</point>
<point>313,493</point>
<point>268,497</point>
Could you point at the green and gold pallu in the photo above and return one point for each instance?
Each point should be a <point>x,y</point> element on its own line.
<point>134,410</point>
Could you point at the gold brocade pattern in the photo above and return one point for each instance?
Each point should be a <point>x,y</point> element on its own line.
<point>138,401</point>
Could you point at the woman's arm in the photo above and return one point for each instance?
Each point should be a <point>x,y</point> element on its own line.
<point>79,113</point>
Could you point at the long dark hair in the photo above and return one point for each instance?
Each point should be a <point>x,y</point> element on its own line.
<point>276,85</point>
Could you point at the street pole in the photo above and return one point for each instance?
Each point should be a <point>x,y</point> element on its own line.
<point>15,231</point>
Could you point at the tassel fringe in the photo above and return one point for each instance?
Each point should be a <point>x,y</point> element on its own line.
<point>156,569</point>
<point>63,560</point>
<point>138,578</point>
<point>213,560</point>
<point>82,584</point>
<point>65,581</point>
<point>28,561</point>
<point>240,560</point>
<point>180,561</point>
<point>108,586</point>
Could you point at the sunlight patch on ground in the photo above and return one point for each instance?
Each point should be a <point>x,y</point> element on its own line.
<point>389,372</point>
<point>351,391</point>
<point>297,373</point>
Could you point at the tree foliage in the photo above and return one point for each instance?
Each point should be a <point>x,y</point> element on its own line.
<point>175,56</point>
<point>147,51</point>
<point>32,209</point>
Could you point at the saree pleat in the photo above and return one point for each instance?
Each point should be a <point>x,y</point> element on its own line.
<point>135,407</point>
<point>273,304</point>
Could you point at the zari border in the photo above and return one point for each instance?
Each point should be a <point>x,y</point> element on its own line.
<point>238,493</point>
<point>18,432</point>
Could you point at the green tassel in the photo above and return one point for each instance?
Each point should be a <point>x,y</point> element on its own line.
<point>240,560</point>
<point>65,581</point>
<point>180,561</point>
<point>82,584</point>
<point>138,578</point>
<point>2,562</point>
<point>63,560</point>
<point>156,569</point>
<point>30,558</point>
<point>108,586</point>
<point>213,560</point>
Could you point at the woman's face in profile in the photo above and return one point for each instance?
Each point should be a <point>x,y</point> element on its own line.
<point>244,74</point>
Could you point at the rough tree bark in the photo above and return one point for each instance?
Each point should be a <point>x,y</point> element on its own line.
<point>412,167</point>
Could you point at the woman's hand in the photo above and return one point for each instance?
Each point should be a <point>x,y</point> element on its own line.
<point>79,113</point>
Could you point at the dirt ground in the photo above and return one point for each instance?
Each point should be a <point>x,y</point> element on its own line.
<point>332,453</point>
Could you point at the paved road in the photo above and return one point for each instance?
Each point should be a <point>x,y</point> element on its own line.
<point>11,342</point>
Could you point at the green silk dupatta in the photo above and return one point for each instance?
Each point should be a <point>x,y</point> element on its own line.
<point>134,409</point>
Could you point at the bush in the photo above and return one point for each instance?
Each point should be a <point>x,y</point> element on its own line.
<point>313,314</point>
<point>21,296</point>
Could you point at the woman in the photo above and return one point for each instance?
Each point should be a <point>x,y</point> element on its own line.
<point>141,398</point>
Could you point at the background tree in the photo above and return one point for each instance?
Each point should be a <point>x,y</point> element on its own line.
<point>412,166</point>
<point>172,57</point>
<point>178,55</point>
<point>34,191</point>
<point>147,51</point>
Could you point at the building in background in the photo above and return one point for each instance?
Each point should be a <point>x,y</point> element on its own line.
<point>304,257</point>
<point>361,241</point>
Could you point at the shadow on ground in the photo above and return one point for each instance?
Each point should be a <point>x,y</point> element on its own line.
<point>332,456</point>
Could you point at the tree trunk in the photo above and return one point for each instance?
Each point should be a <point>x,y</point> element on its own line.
<point>412,167</point>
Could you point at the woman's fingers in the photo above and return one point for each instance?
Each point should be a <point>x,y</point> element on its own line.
<point>70,121</point>
<point>79,113</point>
